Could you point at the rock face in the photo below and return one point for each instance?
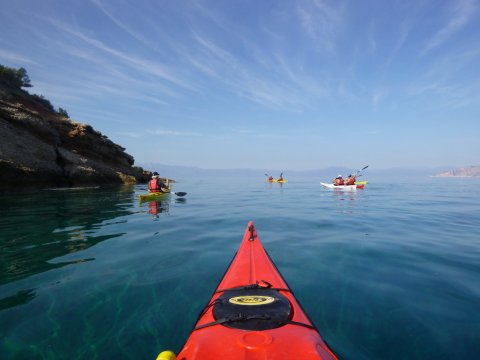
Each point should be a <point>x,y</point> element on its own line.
<point>40,149</point>
<point>469,171</point>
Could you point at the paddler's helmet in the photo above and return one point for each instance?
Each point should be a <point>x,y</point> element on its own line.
<point>155,174</point>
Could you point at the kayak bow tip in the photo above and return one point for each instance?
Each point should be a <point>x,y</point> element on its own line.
<point>166,355</point>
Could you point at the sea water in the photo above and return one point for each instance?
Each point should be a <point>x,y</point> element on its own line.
<point>388,272</point>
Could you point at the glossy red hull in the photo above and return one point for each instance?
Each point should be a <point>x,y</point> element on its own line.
<point>297,338</point>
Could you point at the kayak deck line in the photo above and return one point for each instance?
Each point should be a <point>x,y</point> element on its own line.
<point>253,314</point>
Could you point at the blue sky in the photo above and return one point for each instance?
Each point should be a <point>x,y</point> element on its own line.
<point>260,84</point>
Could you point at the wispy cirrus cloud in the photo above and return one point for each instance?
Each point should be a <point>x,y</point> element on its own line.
<point>15,57</point>
<point>403,33</point>
<point>131,134</point>
<point>447,79</point>
<point>241,77</point>
<point>462,14</point>
<point>134,34</point>
<point>138,64</point>
<point>165,132</point>
<point>378,96</point>
<point>321,21</point>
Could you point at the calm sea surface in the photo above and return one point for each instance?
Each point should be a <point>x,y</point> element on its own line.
<point>388,272</point>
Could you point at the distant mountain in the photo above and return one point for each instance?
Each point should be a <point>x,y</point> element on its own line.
<point>179,172</point>
<point>468,171</point>
<point>190,171</point>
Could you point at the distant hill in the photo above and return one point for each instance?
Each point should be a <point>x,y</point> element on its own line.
<point>468,171</point>
<point>324,174</point>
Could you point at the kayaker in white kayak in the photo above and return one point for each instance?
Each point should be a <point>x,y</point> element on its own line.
<point>350,180</point>
<point>338,181</point>
<point>157,185</point>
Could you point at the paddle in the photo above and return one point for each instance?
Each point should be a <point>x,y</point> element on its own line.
<point>179,193</point>
<point>167,179</point>
<point>356,174</point>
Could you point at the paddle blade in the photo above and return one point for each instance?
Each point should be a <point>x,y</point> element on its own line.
<point>180,193</point>
<point>364,168</point>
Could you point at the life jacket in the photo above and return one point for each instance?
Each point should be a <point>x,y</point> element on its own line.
<point>339,181</point>
<point>155,185</point>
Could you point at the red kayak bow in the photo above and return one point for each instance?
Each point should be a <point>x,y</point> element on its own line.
<point>253,315</point>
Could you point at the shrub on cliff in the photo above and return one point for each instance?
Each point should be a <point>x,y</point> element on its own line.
<point>40,99</point>
<point>15,78</point>
<point>63,112</point>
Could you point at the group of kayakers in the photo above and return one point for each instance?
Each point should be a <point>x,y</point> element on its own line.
<point>156,184</point>
<point>280,178</point>
<point>339,180</point>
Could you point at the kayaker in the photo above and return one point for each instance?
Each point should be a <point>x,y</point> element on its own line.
<point>350,180</point>
<point>157,185</point>
<point>270,178</point>
<point>338,180</point>
<point>280,178</point>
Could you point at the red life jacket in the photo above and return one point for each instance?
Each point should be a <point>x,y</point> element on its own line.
<point>154,185</point>
<point>339,181</point>
<point>351,181</point>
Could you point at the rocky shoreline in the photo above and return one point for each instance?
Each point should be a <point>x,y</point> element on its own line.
<point>468,171</point>
<point>40,148</point>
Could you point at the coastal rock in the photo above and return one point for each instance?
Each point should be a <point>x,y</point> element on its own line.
<point>468,171</point>
<point>40,149</point>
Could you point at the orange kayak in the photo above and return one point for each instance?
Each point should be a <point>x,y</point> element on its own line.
<point>253,315</point>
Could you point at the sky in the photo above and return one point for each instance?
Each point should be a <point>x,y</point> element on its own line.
<point>265,84</point>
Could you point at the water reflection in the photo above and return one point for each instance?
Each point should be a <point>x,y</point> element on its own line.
<point>156,208</point>
<point>55,223</point>
<point>20,298</point>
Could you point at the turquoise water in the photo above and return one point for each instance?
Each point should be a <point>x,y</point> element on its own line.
<point>390,272</point>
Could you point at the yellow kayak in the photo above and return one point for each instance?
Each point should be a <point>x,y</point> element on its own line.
<point>154,195</point>
<point>361,182</point>
<point>278,181</point>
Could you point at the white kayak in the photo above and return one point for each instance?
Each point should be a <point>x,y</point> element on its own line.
<point>342,187</point>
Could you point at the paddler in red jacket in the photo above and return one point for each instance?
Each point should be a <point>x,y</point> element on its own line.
<point>338,180</point>
<point>350,180</point>
<point>156,185</point>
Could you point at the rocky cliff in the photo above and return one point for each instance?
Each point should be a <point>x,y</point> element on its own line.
<point>39,149</point>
